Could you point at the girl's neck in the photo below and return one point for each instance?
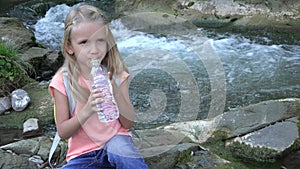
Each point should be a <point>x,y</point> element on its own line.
<point>86,74</point>
<point>86,77</point>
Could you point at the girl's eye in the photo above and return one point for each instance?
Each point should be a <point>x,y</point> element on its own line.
<point>101,40</point>
<point>82,42</point>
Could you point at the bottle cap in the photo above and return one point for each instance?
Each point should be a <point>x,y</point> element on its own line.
<point>95,62</point>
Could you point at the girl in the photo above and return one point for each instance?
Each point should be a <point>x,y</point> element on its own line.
<point>91,143</point>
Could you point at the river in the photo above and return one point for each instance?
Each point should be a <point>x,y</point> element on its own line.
<point>257,66</point>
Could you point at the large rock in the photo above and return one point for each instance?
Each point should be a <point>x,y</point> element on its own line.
<point>10,161</point>
<point>5,104</point>
<point>159,23</point>
<point>225,14</point>
<point>262,132</point>
<point>44,61</point>
<point>13,30</point>
<point>269,143</point>
<point>239,121</point>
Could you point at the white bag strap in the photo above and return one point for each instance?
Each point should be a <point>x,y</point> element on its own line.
<point>71,101</point>
<point>56,140</point>
<point>69,96</point>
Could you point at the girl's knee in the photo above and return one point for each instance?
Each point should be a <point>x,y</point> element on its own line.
<point>122,145</point>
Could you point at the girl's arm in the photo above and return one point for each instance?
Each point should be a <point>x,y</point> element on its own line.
<point>126,110</point>
<point>67,126</point>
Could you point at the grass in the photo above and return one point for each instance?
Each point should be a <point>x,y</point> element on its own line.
<point>14,70</point>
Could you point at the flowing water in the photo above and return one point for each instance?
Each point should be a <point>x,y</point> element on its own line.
<point>256,68</point>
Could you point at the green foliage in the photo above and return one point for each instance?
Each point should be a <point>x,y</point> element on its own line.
<point>184,157</point>
<point>259,154</point>
<point>13,72</point>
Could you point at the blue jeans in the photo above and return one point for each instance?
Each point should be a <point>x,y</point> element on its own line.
<point>119,152</point>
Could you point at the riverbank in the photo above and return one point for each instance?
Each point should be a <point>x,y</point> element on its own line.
<point>226,15</point>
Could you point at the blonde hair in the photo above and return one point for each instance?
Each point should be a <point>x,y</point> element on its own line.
<point>112,60</point>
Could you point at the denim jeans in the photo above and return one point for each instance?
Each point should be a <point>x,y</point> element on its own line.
<point>119,152</point>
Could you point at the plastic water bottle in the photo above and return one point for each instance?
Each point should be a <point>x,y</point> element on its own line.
<point>100,80</point>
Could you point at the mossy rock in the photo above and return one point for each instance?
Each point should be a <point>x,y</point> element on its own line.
<point>40,107</point>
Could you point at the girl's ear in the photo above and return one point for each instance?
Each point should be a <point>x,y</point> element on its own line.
<point>69,49</point>
<point>70,52</point>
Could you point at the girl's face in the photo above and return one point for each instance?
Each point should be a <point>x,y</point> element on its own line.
<point>87,41</point>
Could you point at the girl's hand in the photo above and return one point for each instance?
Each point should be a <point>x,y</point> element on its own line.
<point>121,95</point>
<point>116,89</point>
<point>96,98</point>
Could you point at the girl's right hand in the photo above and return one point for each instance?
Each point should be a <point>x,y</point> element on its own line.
<point>96,98</point>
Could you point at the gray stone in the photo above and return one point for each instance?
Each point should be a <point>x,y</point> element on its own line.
<point>166,149</point>
<point>222,14</point>
<point>278,136</point>
<point>45,145</point>
<point>5,104</point>
<point>239,121</point>
<point>32,127</point>
<point>159,23</point>
<point>44,61</point>
<point>253,117</point>
<point>36,159</point>
<point>13,30</point>
<point>20,99</point>
<point>10,161</point>
<point>29,146</point>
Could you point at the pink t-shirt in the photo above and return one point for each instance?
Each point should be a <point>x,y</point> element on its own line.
<point>93,134</point>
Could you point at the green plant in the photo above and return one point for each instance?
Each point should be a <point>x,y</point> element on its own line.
<point>184,157</point>
<point>14,70</point>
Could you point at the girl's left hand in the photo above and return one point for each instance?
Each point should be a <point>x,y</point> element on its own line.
<point>116,89</point>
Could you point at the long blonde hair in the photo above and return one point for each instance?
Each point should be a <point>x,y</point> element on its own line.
<point>112,60</point>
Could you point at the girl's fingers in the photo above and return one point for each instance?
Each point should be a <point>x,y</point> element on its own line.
<point>96,104</point>
<point>96,90</point>
<point>110,76</point>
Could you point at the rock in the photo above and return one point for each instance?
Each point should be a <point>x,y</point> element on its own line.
<point>226,14</point>
<point>45,145</point>
<point>5,104</point>
<point>273,136</point>
<point>159,23</point>
<point>267,144</point>
<point>10,161</point>
<point>9,136</point>
<point>31,128</point>
<point>256,116</point>
<point>20,99</point>
<point>36,159</point>
<point>13,31</point>
<point>44,61</point>
<point>166,149</point>
<point>29,147</point>
<point>239,121</point>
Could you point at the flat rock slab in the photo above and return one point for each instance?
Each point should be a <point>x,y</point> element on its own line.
<point>279,136</point>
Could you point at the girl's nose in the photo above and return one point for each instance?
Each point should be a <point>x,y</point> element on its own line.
<point>94,49</point>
